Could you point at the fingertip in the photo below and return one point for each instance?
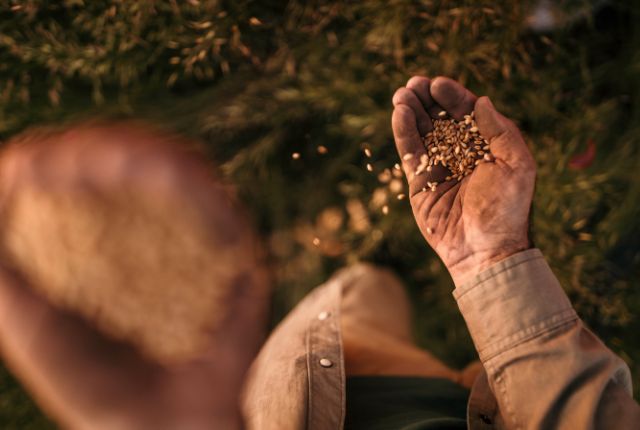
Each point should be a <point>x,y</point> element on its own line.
<point>418,82</point>
<point>484,102</point>
<point>397,95</point>
<point>442,85</point>
<point>490,122</point>
<point>438,80</point>
<point>483,111</point>
<point>404,96</point>
<point>486,112</point>
<point>421,86</point>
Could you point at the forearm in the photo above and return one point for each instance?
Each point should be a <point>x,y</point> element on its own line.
<point>545,368</point>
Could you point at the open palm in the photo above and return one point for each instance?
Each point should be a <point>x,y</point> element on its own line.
<point>482,219</point>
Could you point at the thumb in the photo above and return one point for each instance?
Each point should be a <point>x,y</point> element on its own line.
<point>504,138</point>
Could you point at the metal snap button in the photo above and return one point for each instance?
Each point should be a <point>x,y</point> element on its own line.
<point>324,315</point>
<point>325,362</point>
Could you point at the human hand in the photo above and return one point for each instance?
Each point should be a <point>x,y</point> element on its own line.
<point>484,218</point>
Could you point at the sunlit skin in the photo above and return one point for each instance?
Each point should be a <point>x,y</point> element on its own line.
<point>482,219</point>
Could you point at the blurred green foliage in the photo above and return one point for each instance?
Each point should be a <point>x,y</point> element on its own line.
<point>259,80</point>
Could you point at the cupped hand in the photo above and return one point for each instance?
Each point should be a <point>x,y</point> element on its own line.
<point>484,218</point>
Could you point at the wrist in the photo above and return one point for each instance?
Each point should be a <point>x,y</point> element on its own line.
<point>467,268</point>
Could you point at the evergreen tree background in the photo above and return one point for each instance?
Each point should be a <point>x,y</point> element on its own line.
<point>259,80</point>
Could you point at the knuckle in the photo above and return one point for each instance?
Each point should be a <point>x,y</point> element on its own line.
<point>402,111</point>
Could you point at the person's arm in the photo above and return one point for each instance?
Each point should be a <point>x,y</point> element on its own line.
<point>545,369</point>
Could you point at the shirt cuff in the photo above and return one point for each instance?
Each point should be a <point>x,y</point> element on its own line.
<point>511,302</point>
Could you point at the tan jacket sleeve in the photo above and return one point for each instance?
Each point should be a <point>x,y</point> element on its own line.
<point>545,369</point>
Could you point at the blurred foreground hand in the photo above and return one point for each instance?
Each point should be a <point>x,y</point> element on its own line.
<point>484,218</point>
<point>132,293</point>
